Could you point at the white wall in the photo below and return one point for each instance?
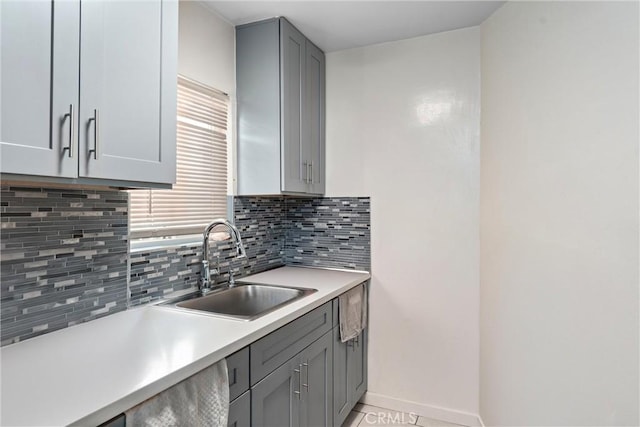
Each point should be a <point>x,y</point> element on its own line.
<point>206,53</point>
<point>403,127</point>
<point>206,47</point>
<point>559,214</point>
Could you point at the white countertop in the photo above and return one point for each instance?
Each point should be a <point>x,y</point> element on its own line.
<point>89,373</point>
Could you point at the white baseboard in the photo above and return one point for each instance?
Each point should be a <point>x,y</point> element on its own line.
<point>429,411</point>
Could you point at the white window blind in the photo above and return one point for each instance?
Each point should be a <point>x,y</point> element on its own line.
<point>200,193</point>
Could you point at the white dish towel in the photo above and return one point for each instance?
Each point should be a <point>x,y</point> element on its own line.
<point>353,312</point>
<point>201,400</point>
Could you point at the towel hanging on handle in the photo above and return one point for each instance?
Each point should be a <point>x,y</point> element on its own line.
<point>353,312</point>
<point>201,400</point>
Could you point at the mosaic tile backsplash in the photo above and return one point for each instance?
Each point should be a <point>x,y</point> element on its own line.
<point>328,232</point>
<point>63,253</point>
<point>63,258</point>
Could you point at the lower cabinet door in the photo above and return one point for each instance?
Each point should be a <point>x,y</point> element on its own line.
<point>349,374</point>
<point>240,411</point>
<point>317,383</point>
<point>341,358</point>
<point>357,367</point>
<point>275,400</point>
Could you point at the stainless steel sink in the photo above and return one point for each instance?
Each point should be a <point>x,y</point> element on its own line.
<point>243,302</point>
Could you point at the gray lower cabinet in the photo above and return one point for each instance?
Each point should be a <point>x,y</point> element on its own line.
<point>357,366</point>
<point>280,77</point>
<point>341,396</point>
<point>349,374</point>
<point>300,375</point>
<point>281,345</point>
<point>298,393</point>
<point>240,411</point>
<point>275,400</point>
<point>317,383</point>
<point>239,393</point>
<point>238,371</point>
<point>84,102</point>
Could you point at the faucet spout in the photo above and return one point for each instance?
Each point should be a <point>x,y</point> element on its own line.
<point>205,281</point>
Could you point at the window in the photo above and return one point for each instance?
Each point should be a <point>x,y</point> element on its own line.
<point>200,192</point>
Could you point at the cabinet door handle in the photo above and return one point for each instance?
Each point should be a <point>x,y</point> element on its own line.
<point>306,171</point>
<point>96,133</point>
<point>297,371</point>
<point>306,365</point>
<point>311,173</point>
<point>71,130</point>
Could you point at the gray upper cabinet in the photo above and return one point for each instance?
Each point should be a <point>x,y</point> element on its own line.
<point>39,87</point>
<point>280,79</point>
<point>292,84</point>
<point>313,120</point>
<point>128,90</point>
<point>94,102</point>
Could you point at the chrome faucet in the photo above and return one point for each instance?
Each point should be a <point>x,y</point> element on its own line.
<point>205,282</point>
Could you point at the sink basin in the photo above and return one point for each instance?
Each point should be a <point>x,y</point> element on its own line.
<point>243,302</point>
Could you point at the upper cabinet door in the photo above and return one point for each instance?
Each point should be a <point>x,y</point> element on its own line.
<point>294,153</point>
<point>258,112</point>
<point>128,75</point>
<point>281,149</point>
<point>313,120</point>
<point>39,55</point>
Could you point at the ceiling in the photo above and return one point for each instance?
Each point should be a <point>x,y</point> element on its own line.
<point>337,25</point>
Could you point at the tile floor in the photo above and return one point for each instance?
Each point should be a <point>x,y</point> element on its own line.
<point>367,415</point>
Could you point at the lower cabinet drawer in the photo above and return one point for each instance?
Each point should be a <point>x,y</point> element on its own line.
<point>240,411</point>
<point>238,369</point>
<point>281,345</point>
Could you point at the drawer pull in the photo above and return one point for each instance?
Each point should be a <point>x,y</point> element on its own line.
<point>306,365</point>
<point>96,133</point>
<point>297,392</point>
<point>71,130</point>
